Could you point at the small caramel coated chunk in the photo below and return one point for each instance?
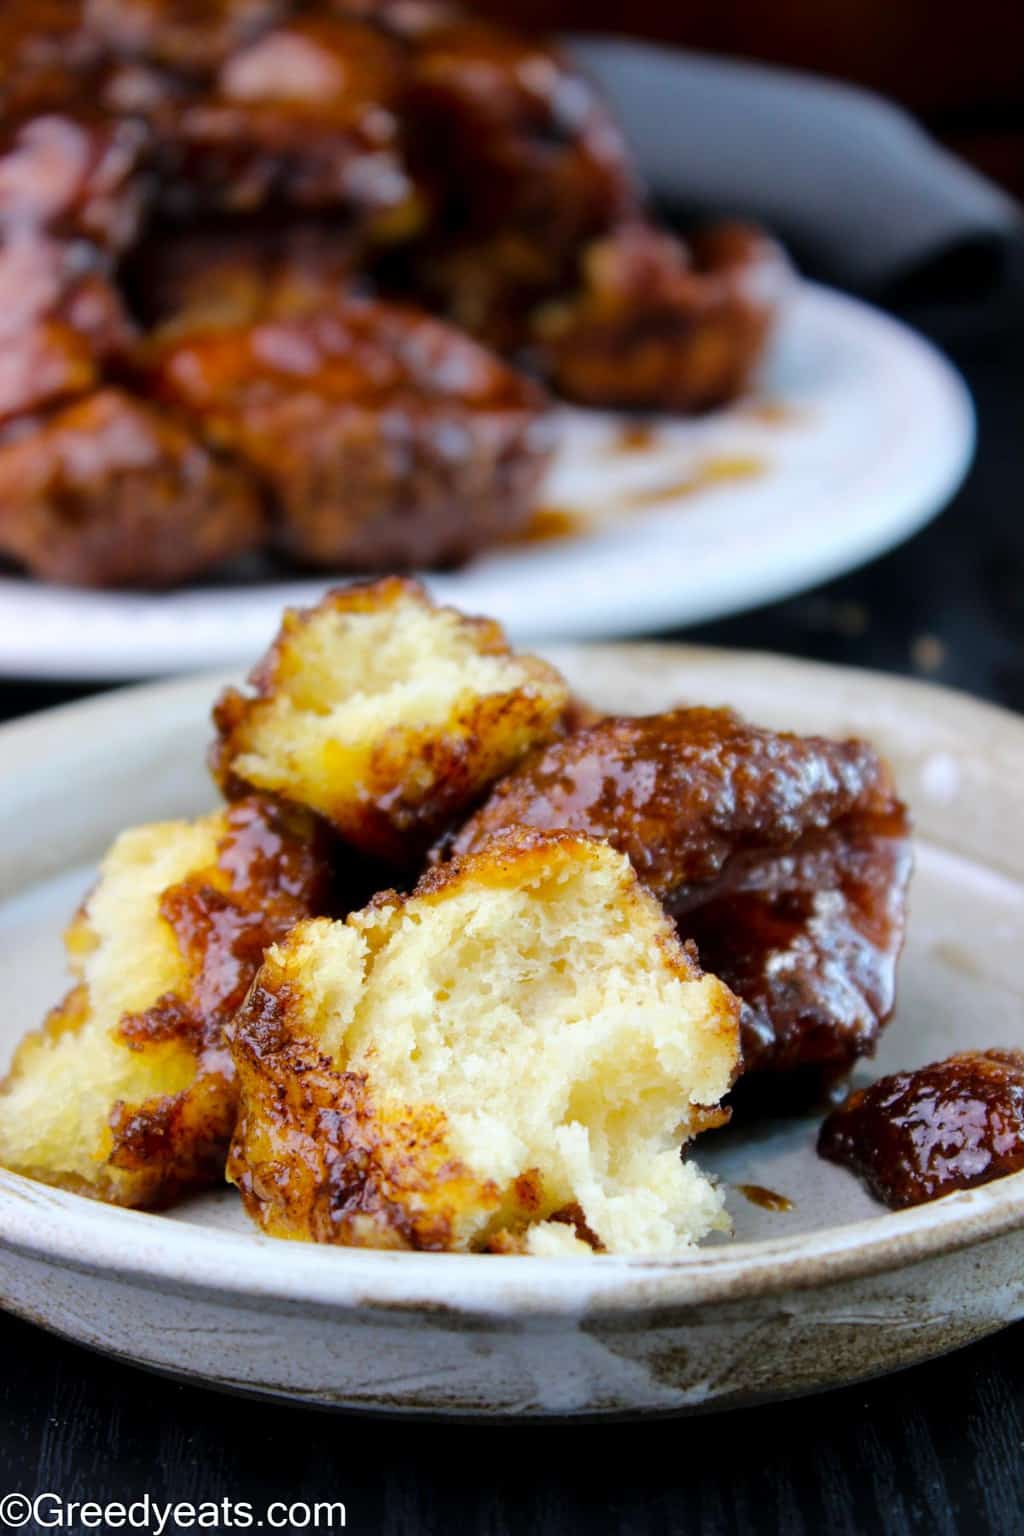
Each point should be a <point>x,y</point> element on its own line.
<point>524,165</point>
<point>914,1136</point>
<point>386,715</point>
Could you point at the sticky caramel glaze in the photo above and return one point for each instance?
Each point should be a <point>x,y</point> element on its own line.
<point>682,791</point>
<point>272,869</point>
<point>767,1199</point>
<point>809,939</point>
<point>917,1135</point>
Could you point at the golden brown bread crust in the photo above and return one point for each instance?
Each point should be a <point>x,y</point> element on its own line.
<point>312,1157</point>
<point>384,438</point>
<point>659,325</point>
<point>786,858</point>
<point>110,491</point>
<point>412,779</point>
<point>271,870</point>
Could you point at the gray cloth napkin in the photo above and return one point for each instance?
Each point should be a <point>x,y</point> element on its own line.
<point>863,193</point>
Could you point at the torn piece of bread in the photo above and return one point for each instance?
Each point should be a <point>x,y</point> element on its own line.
<point>387,715</point>
<point>127,1092</point>
<point>508,1059</point>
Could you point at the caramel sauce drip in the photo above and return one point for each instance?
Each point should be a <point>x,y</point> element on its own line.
<point>767,1199</point>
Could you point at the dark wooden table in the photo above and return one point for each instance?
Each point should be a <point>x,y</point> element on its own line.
<point>939,1449</point>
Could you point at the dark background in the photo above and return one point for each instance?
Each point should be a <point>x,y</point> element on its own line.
<point>936,1449</point>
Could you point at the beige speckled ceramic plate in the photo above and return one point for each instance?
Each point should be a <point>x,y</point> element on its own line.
<point>829,1291</point>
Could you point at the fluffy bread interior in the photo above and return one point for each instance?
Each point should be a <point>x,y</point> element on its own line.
<point>534,1003</point>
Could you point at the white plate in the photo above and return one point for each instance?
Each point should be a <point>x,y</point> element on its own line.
<point>830,1291</point>
<point>860,432</point>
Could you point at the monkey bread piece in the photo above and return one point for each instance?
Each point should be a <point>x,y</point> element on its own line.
<point>386,715</point>
<point>385,439</point>
<point>658,326</point>
<point>508,1059</point>
<point>111,491</point>
<point>303,117</point>
<point>127,1093</point>
<point>61,322</point>
<point>785,858</point>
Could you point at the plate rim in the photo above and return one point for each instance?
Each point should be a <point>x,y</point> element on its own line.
<point>148,1248</point>
<point>935,480</point>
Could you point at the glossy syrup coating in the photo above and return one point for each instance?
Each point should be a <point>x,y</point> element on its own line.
<point>681,792</point>
<point>785,858</point>
<point>384,438</point>
<point>659,325</point>
<point>111,491</point>
<point>914,1136</point>
<point>809,939</point>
